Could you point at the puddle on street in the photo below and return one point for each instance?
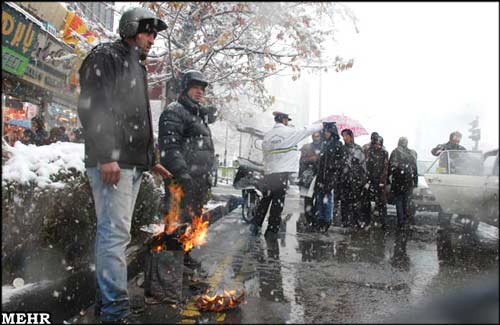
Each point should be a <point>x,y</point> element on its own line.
<point>362,276</point>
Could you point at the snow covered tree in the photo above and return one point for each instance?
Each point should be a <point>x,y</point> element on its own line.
<point>238,45</point>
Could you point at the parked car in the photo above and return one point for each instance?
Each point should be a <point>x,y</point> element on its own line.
<point>422,198</point>
<point>465,183</point>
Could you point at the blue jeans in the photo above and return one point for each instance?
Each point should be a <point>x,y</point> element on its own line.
<point>324,208</point>
<point>402,207</point>
<point>114,209</point>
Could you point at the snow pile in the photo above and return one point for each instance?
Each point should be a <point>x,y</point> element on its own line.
<point>30,163</point>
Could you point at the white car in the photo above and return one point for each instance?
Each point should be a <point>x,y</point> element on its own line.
<point>465,183</point>
<point>422,198</point>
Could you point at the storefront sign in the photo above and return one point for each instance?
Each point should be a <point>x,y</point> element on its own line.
<point>13,62</point>
<point>19,33</point>
<point>49,51</point>
<point>42,78</point>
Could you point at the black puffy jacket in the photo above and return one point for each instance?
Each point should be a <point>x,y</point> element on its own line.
<point>330,164</point>
<point>403,170</point>
<point>354,175</point>
<point>185,139</point>
<point>114,107</point>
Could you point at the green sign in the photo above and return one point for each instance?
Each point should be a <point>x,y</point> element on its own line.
<point>13,62</point>
<point>18,32</point>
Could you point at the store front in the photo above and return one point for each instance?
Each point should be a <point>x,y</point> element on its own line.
<point>36,72</point>
<point>21,101</point>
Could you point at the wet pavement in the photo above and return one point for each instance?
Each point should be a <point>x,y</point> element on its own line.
<point>343,275</point>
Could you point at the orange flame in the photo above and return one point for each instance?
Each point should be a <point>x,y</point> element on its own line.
<point>227,300</point>
<point>171,219</point>
<point>157,248</point>
<point>195,234</point>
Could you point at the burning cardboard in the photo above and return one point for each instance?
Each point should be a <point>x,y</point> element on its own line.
<point>218,302</point>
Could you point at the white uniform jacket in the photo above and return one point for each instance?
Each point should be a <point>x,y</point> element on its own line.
<point>280,149</point>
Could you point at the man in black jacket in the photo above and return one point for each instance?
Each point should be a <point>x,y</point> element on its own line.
<point>330,165</point>
<point>352,180</point>
<point>115,114</point>
<point>39,136</point>
<point>308,164</point>
<point>403,176</point>
<point>186,147</point>
<point>452,144</point>
<point>377,164</point>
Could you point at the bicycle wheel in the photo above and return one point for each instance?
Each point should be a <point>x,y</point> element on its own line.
<point>250,201</point>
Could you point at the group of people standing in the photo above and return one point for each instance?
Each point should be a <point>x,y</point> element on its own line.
<point>346,178</point>
<point>335,177</point>
<point>39,136</point>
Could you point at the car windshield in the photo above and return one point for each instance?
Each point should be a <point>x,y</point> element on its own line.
<point>458,162</point>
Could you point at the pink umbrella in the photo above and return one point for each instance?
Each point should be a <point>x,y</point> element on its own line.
<point>345,122</point>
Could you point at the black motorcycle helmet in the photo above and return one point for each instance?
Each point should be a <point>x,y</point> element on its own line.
<point>190,78</point>
<point>137,20</point>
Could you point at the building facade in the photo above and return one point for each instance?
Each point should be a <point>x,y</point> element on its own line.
<point>101,12</point>
<point>35,73</point>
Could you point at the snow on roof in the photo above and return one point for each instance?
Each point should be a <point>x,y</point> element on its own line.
<point>30,163</point>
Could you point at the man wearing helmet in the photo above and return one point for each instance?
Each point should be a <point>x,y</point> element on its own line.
<point>116,117</point>
<point>186,147</point>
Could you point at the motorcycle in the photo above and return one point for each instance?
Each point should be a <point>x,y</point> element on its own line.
<point>250,172</point>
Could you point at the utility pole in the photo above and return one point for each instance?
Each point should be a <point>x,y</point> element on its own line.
<point>475,132</point>
<point>225,148</point>
<point>320,95</point>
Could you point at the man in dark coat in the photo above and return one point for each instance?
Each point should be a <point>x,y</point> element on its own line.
<point>403,176</point>
<point>40,136</point>
<point>309,154</point>
<point>186,147</point>
<point>377,164</point>
<point>328,175</point>
<point>116,117</point>
<point>352,180</point>
<point>452,144</point>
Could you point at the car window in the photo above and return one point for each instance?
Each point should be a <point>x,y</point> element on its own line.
<point>466,163</point>
<point>490,166</point>
<point>439,165</point>
<point>423,166</point>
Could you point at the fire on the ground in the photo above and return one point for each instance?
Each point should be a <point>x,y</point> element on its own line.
<point>219,302</point>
